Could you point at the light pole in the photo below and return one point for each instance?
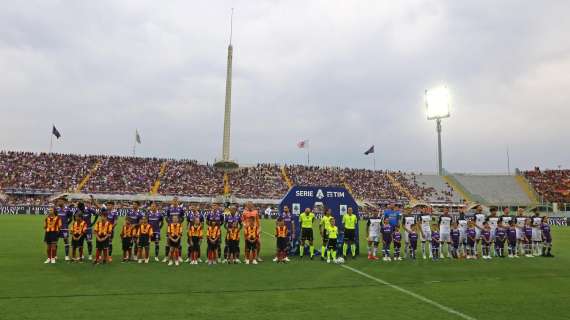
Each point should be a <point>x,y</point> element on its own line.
<point>438,104</point>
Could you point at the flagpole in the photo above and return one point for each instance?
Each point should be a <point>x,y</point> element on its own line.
<point>134,148</point>
<point>308,157</point>
<point>50,143</point>
<point>374,161</point>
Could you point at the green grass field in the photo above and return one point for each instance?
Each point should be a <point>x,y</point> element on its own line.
<point>537,288</point>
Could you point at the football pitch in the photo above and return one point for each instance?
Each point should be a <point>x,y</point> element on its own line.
<point>525,288</point>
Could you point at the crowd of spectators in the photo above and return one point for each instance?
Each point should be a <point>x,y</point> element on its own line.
<point>260,181</point>
<point>124,175</point>
<point>43,171</point>
<point>188,177</point>
<point>551,185</point>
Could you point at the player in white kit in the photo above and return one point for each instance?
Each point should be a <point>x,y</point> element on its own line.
<point>536,233</point>
<point>493,221</point>
<point>520,221</point>
<point>373,235</point>
<point>444,232</point>
<point>425,225</point>
<point>480,219</point>
<point>408,220</point>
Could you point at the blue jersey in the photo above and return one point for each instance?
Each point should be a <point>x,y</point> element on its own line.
<point>500,234</point>
<point>155,219</point>
<point>392,216</point>
<point>528,232</point>
<point>546,232</point>
<point>413,238</point>
<point>435,238</point>
<point>397,236</point>
<point>288,220</point>
<point>512,234</point>
<point>471,233</point>
<point>175,212</point>
<point>455,234</point>
<point>486,235</point>
<point>65,215</point>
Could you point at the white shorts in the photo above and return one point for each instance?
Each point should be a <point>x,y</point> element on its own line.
<point>462,237</point>
<point>406,237</point>
<point>426,234</point>
<point>493,234</point>
<point>520,234</point>
<point>445,237</point>
<point>536,235</point>
<point>373,238</point>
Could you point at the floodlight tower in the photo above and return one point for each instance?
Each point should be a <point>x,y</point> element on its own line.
<point>438,104</point>
<point>226,164</point>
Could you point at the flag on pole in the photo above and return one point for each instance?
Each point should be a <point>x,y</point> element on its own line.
<point>303,144</point>
<point>369,151</point>
<point>137,137</point>
<point>55,132</point>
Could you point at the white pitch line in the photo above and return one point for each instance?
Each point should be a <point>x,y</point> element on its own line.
<point>415,295</point>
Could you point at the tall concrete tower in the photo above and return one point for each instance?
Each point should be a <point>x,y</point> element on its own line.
<point>227,164</point>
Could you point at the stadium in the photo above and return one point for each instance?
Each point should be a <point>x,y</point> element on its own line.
<point>91,232</point>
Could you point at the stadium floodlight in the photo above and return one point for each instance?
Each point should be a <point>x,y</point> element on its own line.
<point>438,105</point>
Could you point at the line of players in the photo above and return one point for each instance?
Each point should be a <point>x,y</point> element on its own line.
<point>467,235</point>
<point>143,226</point>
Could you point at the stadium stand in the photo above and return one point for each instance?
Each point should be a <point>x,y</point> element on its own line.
<point>259,181</point>
<point>42,171</point>
<point>551,185</point>
<point>187,177</point>
<point>436,188</point>
<point>494,189</point>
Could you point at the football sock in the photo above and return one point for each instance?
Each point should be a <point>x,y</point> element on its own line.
<point>66,247</point>
<point>302,250</point>
<point>353,249</point>
<point>333,254</point>
<point>311,250</point>
<point>344,249</point>
<point>323,250</point>
<point>110,249</point>
<point>89,247</point>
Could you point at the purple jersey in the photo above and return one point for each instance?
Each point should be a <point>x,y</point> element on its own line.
<point>134,216</point>
<point>500,234</point>
<point>435,239</point>
<point>87,215</point>
<point>397,236</point>
<point>528,232</point>
<point>413,238</point>
<point>512,235</point>
<point>287,219</point>
<point>486,235</point>
<point>191,215</point>
<point>112,216</point>
<point>386,233</point>
<point>215,215</point>
<point>471,233</point>
<point>231,218</point>
<point>155,219</point>
<point>455,234</point>
<point>65,215</point>
<point>545,227</point>
<point>175,212</point>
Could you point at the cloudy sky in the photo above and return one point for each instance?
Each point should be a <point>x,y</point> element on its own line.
<point>343,74</point>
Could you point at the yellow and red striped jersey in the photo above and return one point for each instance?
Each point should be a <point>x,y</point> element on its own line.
<point>251,232</point>
<point>233,234</point>
<point>103,228</point>
<point>78,228</point>
<point>128,231</point>
<point>214,232</point>
<point>281,232</point>
<point>195,231</point>
<point>175,229</point>
<point>145,229</point>
<point>52,223</point>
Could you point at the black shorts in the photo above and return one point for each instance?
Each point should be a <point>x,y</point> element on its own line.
<point>155,236</point>
<point>194,243</point>
<point>331,244</point>
<point>325,237</point>
<point>89,234</point>
<point>64,233</point>
<point>144,241</point>
<point>51,237</point>
<point>251,245</point>
<point>306,234</point>
<point>349,235</point>
<point>213,245</point>
<point>127,243</point>
<point>282,243</point>
<point>234,246</point>
<point>101,245</point>
<point>175,244</point>
<point>78,243</point>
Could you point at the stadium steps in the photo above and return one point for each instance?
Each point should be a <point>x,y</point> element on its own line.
<point>400,187</point>
<point>88,176</point>
<point>458,187</point>
<point>286,177</point>
<point>528,189</point>
<point>227,188</point>
<point>156,185</point>
<point>493,189</point>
